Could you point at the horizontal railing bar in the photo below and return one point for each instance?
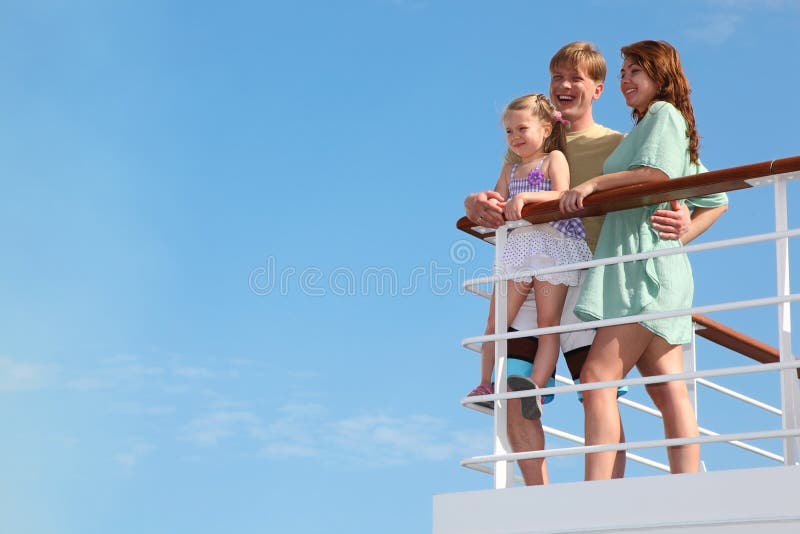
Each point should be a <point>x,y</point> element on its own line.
<point>740,396</point>
<point>655,413</point>
<point>651,411</point>
<point>644,380</point>
<point>672,442</point>
<point>685,249</point>
<point>586,325</point>
<point>632,456</point>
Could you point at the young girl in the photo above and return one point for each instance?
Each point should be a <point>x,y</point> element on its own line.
<point>536,134</point>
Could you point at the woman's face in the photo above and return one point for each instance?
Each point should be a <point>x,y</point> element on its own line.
<point>637,87</point>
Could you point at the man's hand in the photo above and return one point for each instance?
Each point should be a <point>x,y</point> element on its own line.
<point>485,208</point>
<point>672,223</point>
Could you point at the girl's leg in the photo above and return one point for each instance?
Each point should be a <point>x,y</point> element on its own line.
<point>517,294</point>
<point>614,352</point>
<point>487,349</point>
<point>549,305</point>
<point>672,399</point>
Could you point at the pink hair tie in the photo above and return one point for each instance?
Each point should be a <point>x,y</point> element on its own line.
<point>557,118</point>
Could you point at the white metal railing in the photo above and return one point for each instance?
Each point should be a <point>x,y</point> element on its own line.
<point>502,459</point>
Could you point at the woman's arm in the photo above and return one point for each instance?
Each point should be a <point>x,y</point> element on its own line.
<point>702,219</point>
<point>572,200</point>
<point>679,223</point>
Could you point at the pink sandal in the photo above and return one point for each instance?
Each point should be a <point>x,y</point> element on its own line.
<point>483,389</point>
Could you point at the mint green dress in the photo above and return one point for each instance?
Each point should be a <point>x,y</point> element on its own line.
<point>656,284</point>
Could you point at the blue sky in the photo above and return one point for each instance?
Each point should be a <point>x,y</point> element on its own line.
<point>231,278</point>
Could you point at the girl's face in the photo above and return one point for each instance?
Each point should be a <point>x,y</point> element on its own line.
<point>525,133</point>
<point>637,87</point>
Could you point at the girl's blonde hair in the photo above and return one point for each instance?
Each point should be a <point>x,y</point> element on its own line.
<point>541,107</point>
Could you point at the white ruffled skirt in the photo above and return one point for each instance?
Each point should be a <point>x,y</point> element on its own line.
<point>539,246</point>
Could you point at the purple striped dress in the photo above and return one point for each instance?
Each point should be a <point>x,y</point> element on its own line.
<point>544,245</point>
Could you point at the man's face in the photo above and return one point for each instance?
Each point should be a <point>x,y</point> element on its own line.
<point>573,91</point>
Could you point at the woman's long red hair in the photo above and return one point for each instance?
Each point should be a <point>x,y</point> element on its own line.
<point>662,64</point>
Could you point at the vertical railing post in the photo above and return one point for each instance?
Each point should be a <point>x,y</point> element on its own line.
<point>503,469</point>
<point>790,396</point>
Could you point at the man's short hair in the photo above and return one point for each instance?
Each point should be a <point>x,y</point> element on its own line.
<point>581,54</point>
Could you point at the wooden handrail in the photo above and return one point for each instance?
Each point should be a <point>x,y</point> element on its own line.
<point>634,196</point>
<point>736,341</point>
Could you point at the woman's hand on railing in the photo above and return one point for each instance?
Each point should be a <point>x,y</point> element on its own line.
<point>572,199</point>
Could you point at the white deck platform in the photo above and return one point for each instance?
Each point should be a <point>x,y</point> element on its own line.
<point>736,501</point>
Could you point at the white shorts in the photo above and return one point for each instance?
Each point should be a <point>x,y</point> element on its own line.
<point>526,319</point>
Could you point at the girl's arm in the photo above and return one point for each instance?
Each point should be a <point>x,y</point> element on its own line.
<point>502,181</point>
<point>572,200</point>
<point>556,169</point>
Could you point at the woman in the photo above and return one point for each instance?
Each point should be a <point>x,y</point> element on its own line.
<point>662,145</point>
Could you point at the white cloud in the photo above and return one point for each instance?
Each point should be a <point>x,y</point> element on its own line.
<point>753,4</point>
<point>194,372</point>
<point>137,408</point>
<point>715,29</point>
<point>210,429</point>
<point>116,371</point>
<point>412,5</point>
<point>369,440</point>
<point>306,430</point>
<point>727,17</point>
<point>385,440</point>
<point>119,358</point>
<point>290,451</point>
<point>128,459</point>
<point>21,376</point>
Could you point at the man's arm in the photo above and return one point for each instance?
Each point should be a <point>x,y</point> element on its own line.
<point>483,208</point>
<point>486,207</point>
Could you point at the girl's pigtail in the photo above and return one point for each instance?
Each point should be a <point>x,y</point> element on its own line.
<point>558,137</point>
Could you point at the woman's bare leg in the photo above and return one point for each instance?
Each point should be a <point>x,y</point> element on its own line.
<point>614,352</point>
<point>517,293</point>
<point>672,399</point>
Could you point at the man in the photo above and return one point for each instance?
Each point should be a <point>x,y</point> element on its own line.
<point>577,77</point>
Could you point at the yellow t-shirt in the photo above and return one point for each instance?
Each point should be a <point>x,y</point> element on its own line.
<point>587,150</point>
